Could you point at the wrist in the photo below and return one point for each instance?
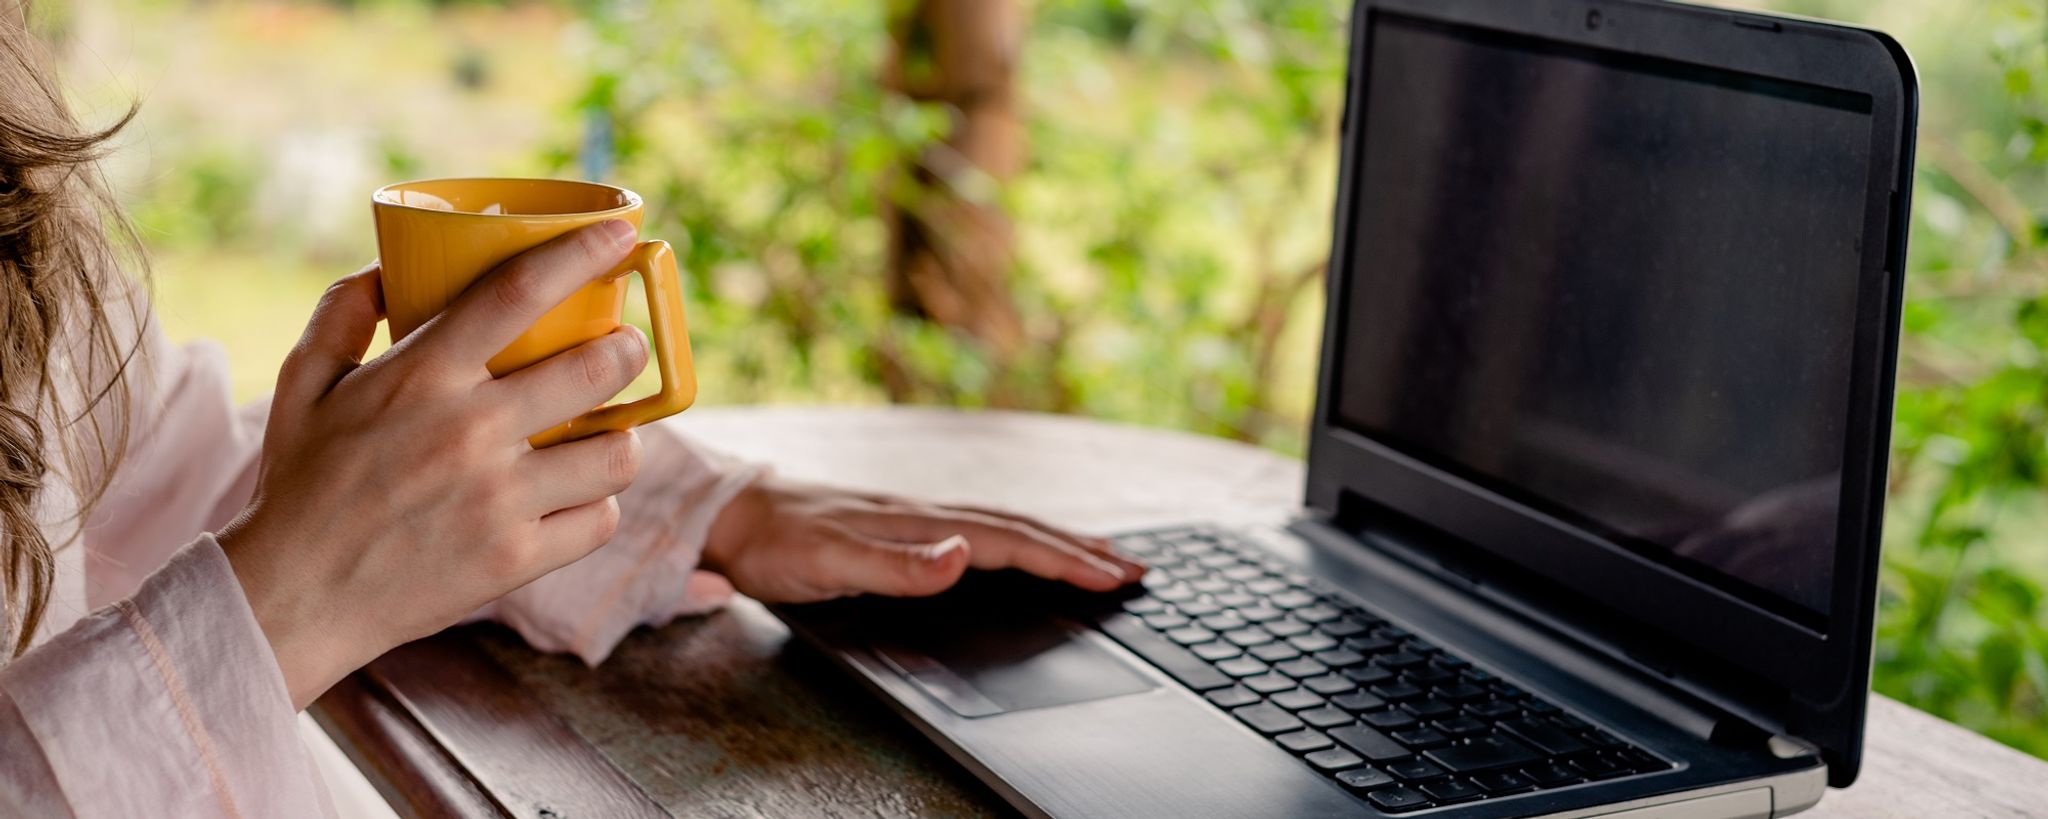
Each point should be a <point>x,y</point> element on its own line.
<point>310,656</point>
<point>736,523</point>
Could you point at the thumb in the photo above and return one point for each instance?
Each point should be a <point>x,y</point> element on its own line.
<point>340,331</point>
<point>863,565</point>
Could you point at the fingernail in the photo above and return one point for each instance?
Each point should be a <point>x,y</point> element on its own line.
<point>1107,568</point>
<point>938,551</point>
<point>619,230</point>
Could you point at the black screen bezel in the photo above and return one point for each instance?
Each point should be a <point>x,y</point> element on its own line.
<point>1814,682</point>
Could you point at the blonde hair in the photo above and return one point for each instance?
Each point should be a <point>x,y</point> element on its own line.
<point>62,358</point>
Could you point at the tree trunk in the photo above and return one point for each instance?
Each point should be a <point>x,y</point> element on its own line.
<point>950,246</point>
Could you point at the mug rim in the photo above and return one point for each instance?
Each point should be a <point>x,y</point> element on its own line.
<point>378,198</point>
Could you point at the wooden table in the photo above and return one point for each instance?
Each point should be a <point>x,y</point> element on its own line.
<point>723,716</point>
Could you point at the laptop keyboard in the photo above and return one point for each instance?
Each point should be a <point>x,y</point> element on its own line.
<point>1404,724</point>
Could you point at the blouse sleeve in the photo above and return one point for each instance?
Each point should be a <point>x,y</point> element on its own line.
<point>647,574</point>
<point>167,703</point>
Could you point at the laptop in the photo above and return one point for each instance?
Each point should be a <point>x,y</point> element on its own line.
<point>1595,475</point>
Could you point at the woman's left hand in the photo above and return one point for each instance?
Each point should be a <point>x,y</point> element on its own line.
<point>787,542</point>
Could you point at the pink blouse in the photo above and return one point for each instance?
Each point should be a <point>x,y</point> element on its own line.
<point>152,692</point>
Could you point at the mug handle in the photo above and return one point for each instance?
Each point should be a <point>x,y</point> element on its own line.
<point>656,264</point>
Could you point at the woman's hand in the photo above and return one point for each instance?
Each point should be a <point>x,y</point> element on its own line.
<point>785,542</point>
<point>399,495</point>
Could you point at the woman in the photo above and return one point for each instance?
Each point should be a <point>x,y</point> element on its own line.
<point>371,503</point>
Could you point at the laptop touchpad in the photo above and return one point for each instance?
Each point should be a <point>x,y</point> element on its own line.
<point>995,667</point>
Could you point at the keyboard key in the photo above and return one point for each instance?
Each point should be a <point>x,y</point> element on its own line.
<point>1319,613</point>
<point>1493,709</point>
<point>1275,652</point>
<point>1545,737</point>
<point>1601,738</point>
<point>1475,675</point>
<point>1451,790</point>
<point>1292,599</point>
<point>1330,685</point>
<point>1297,699</point>
<point>1165,620</point>
<point>1499,782</point>
<point>1429,709</point>
<point>1395,800</point>
<point>1216,652</point>
<point>1335,759</point>
<point>1598,767</point>
<point>1365,779</point>
<point>1231,697</point>
<point>1396,691</point>
<point>1641,761</point>
<point>1422,649</point>
<point>1182,665</point>
<point>1268,585</point>
<point>1199,608</point>
<point>1174,593</point>
<point>1549,774</point>
<point>1191,635</point>
<point>1462,692</point>
<point>1420,738</point>
<point>1505,691</point>
<point>1145,605</point>
<point>1248,637</point>
<point>1242,667</point>
<point>1268,683</point>
<point>1461,726</point>
<point>1368,674</point>
<point>1260,613</point>
<point>1234,599</point>
<point>1570,723</point>
<point>1313,642</point>
<point>1267,719</point>
<point>1303,741</point>
<point>1492,751</point>
<point>1359,701</point>
<point>1302,668</point>
<point>1368,743</point>
<point>1389,720</point>
<point>1343,627</point>
<point>1338,657</point>
<point>1369,644</point>
<point>1413,769</point>
<point>1222,621</point>
<point>1451,663</point>
<point>1427,676</point>
<point>1539,708</point>
<point>1325,717</point>
<point>1392,633</point>
<point>1286,627</point>
<point>1398,660</point>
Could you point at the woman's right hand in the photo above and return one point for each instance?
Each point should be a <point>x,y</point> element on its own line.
<point>398,495</point>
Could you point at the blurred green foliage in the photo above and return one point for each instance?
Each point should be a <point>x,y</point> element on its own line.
<point>1171,226</point>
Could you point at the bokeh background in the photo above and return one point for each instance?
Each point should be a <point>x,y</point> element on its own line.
<point>1110,207</point>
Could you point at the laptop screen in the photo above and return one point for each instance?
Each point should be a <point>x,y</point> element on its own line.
<point>1618,289</point>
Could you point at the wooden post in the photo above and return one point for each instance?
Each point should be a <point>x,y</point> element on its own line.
<point>950,245</point>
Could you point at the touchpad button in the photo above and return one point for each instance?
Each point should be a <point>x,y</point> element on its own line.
<point>993,668</point>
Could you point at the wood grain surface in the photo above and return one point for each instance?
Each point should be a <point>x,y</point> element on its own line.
<point>725,716</point>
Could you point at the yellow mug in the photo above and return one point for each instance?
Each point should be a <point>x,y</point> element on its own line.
<point>437,236</point>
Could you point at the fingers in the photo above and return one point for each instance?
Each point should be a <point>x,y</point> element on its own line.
<point>337,335</point>
<point>508,300</point>
<point>577,531</point>
<point>1000,544</point>
<point>578,472</point>
<point>572,382</point>
<point>1100,546</point>
<point>858,564</point>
